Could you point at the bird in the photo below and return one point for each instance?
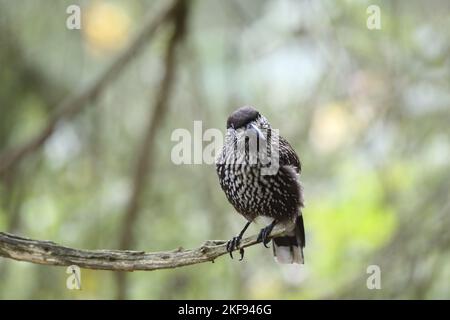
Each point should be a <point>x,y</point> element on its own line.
<point>258,171</point>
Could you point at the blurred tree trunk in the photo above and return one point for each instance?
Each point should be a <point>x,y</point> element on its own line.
<point>146,154</point>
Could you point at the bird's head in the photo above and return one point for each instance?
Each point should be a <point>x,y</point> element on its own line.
<point>247,121</point>
<point>249,138</point>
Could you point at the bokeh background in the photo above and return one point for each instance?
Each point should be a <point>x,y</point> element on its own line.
<point>368,111</point>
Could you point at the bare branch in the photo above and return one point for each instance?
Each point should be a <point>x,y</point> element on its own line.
<point>73,104</point>
<point>50,253</point>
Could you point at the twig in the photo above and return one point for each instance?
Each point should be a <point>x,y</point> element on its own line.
<point>50,253</point>
<point>76,102</point>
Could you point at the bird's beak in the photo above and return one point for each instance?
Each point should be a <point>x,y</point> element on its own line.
<point>258,131</point>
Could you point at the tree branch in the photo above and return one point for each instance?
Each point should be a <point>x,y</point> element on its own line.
<point>49,253</point>
<point>73,104</point>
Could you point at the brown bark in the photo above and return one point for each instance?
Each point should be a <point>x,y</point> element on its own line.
<point>49,253</point>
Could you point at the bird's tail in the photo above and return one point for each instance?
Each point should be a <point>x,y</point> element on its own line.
<point>289,248</point>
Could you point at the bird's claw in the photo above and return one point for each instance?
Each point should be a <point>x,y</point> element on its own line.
<point>241,252</point>
<point>263,235</point>
<point>233,244</point>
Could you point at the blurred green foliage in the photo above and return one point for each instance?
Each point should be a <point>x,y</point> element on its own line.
<point>367,110</point>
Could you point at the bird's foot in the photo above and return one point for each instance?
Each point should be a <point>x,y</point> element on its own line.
<point>233,244</point>
<point>264,234</point>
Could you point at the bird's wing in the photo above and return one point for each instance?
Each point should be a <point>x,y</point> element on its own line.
<point>288,157</point>
<point>289,161</point>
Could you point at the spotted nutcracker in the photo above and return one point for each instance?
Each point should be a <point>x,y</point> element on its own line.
<point>274,196</point>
